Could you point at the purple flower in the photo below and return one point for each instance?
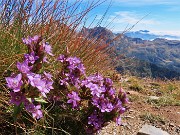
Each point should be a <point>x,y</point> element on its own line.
<point>102,103</point>
<point>75,66</point>
<point>81,68</point>
<point>73,72</point>
<point>45,59</point>
<point>125,100</point>
<point>64,81</point>
<point>30,40</point>
<point>118,120</point>
<point>30,107</point>
<point>45,87</point>
<point>27,41</point>
<point>23,67</point>
<point>47,48</point>
<point>17,98</point>
<point>106,107</point>
<point>111,92</point>
<point>61,58</point>
<point>35,79</point>
<point>75,81</point>
<point>31,58</point>
<point>47,75</point>
<point>35,110</point>
<point>95,120</point>
<point>37,113</point>
<point>95,90</point>
<point>118,104</point>
<point>108,82</point>
<point>73,61</point>
<point>122,110</point>
<point>73,98</point>
<point>96,79</point>
<point>49,85</point>
<point>36,38</point>
<point>15,83</point>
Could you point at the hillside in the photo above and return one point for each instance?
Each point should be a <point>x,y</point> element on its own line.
<point>156,58</point>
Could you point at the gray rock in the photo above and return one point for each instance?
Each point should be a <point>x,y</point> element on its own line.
<point>151,130</point>
<point>153,97</point>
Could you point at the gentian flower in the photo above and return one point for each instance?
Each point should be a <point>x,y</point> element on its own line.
<point>31,58</point>
<point>15,83</point>
<point>30,107</point>
<point>35,79</point>
<point>111,92</point>
<point>61,58</point>
<point>27,41</point>
<point>106,106</point>
<point>31,40</point>
<point>73,98</point>
<point>45,87</point>
<point>35,110</point>
<point>45,59</point>
<point>47,75</point>
<point>73,61</point>
<point>96,79</point>
<point>23,67</point>
<point>118,120</point>
<point>95,120</point>
<point>47,48</point>
<point>95,90</point>
<point>36,38</point>
<point>125,100</point>
<point>17,98</point>
<point>37,113</point>
<point>108,82</point>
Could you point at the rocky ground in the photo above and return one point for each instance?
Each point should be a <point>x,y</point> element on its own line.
<point>166,117</point>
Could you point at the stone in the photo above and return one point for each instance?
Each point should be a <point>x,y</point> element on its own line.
<point>153,97</point>
<point>151,130</point>
<point>132,92</point>
<point>128,116</point>
<point>171,124</point>
<point>124,124</point>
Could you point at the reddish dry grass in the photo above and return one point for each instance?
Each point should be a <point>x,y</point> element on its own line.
<point>57,22</point>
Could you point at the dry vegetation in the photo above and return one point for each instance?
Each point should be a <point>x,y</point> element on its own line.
<point>60,23</point>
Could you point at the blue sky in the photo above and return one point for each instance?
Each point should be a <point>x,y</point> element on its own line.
<point>159,16</point>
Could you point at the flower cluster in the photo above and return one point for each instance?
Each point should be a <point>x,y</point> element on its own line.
<point>105,100</point>
<point>24,83</point>
<point>103,97</point>
<point>74,69</point>
<point>72,87</point>
<point>95,119</point>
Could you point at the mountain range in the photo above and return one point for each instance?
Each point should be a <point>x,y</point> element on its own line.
<point>147,35</point>
<point>142,54</point>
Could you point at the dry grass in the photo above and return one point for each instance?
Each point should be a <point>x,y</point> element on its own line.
<point>60,23</point>
<point>168,91</point>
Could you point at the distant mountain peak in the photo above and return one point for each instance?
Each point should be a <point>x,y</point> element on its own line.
<point>144,31</point>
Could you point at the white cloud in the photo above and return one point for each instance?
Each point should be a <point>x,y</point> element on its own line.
<point>166,32</point>
<point>132,18</point>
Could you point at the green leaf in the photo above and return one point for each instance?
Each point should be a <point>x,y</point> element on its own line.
<point>40,100</point>
<point>17,110</point>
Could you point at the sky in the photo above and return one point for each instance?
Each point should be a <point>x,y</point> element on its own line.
<point>157,16</point>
